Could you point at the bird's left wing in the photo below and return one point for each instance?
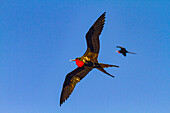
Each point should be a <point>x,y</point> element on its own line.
<point>71,80</point>
<point>119,47</point>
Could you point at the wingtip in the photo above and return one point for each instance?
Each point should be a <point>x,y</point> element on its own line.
<point>104,13</point>
<point>60,103</point>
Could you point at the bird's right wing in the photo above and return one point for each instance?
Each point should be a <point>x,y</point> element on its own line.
<point>92,36</point>
<point>71,80</point>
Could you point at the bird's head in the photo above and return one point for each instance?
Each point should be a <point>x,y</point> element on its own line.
<point>79,61</point>
<point>117,51</point>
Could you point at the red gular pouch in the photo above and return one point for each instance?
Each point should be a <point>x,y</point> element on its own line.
<point>79,63</point>
<point>118,52</point>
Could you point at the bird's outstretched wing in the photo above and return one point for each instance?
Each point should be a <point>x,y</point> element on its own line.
<point>120,47</point>
<point>71,80</point>
<point>92,36</point>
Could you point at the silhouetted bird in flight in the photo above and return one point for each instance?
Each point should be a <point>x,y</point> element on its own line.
<point>87,62</point>
<point>123,51</point>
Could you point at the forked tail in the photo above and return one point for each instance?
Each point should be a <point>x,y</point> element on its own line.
<point>131,52</point>
<point>107,65</point>
<point>101,66</point>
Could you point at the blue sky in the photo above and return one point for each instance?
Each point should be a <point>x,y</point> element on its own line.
<point>38,38</point>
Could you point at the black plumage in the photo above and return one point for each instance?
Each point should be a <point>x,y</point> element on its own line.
<point>123,51</point>
<point>89,58</point>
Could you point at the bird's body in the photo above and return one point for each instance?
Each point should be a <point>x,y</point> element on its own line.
<point>123,51</point>
<point>87,62</point>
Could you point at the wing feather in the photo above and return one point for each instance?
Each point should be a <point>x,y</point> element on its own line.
<point>119,47</point>
<point>92,36</point>
<point>71,80</point>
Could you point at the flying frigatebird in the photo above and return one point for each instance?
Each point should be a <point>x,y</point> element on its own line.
<point>87,62</point>
<point>123,51</point>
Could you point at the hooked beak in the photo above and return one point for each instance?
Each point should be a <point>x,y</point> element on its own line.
<point>73,60</point>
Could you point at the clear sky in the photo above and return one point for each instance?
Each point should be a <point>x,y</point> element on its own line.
<point>39,37</point>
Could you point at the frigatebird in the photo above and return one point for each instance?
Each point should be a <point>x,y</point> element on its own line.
<point>88,61</point>
<point>123,51</point>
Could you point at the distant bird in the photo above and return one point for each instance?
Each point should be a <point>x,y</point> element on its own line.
<point>87,62</point>
<point>123,51</point>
